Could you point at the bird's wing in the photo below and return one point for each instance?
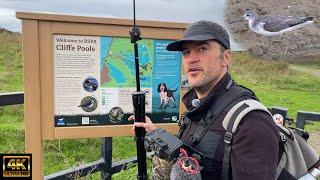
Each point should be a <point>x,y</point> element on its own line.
<point>86,103</point>
<point>278,23</point>
<point>293,21</point>
<point>272,23</point>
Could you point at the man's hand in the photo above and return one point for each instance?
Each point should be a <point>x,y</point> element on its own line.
<point>148,125</point>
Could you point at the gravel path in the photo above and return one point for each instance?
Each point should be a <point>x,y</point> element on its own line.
<point>313,71</point>
<point>314,140</point>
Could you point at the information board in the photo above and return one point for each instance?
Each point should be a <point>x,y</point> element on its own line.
<point>94,77</point>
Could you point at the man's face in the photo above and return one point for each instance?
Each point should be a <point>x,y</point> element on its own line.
<point>204,63</point>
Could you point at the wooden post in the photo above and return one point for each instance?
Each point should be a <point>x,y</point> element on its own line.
<point>32,107</point>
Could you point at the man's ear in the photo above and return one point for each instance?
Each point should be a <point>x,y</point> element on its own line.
<point>226,57</point>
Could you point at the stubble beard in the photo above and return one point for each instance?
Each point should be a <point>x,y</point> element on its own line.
<point>205,84</point>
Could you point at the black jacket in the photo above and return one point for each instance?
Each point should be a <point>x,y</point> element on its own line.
<point>254,152</point>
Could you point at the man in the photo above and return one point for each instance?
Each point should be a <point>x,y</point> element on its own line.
<point>206,56</point>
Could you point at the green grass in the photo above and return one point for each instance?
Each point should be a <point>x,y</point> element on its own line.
<point>272,81</point>
<point>11,74</point>
<point>276,85</point>
<point>312,126</point>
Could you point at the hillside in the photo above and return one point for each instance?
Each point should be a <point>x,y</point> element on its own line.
<point>11,65</point>
<point>301,45</point>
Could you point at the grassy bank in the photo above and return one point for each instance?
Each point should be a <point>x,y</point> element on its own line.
<point>273,83</point>
<point>276,85</point>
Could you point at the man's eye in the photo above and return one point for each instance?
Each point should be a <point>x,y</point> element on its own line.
<point>185,53</point>
<point>202,48</point>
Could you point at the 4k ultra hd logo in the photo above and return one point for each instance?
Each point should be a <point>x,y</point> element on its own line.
<point>16,165</point>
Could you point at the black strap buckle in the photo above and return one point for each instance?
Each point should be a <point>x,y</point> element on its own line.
<point>227,137</point>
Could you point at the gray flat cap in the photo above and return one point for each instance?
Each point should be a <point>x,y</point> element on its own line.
<point>202,31</point>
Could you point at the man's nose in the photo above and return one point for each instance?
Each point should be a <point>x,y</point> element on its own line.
<point>193,57</point>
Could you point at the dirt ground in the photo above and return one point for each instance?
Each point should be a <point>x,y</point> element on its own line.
<point>296,46</point>
<point>314,140</point>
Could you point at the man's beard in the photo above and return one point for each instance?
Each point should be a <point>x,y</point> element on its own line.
<point>205,84</point>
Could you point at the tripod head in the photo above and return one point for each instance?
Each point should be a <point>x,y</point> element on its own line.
<point>135,34</point>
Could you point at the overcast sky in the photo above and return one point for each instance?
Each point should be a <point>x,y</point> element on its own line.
<point>159,10</point>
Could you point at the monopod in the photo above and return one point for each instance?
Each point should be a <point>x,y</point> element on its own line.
<point>138,99</point>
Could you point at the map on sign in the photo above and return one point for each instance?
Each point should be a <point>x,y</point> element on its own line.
<point>118,66</point>
<point>95,77</point>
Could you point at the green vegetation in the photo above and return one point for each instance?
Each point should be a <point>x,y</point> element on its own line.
<point>274,83</point>
<point>11,78</point>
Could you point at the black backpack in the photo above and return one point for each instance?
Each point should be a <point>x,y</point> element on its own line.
<point>297,159</point>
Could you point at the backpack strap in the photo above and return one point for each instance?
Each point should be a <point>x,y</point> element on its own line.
<point>230,123</point>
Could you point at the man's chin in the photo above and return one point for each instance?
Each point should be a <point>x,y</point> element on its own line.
<point>200,84</point>
<point>196,85</point>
